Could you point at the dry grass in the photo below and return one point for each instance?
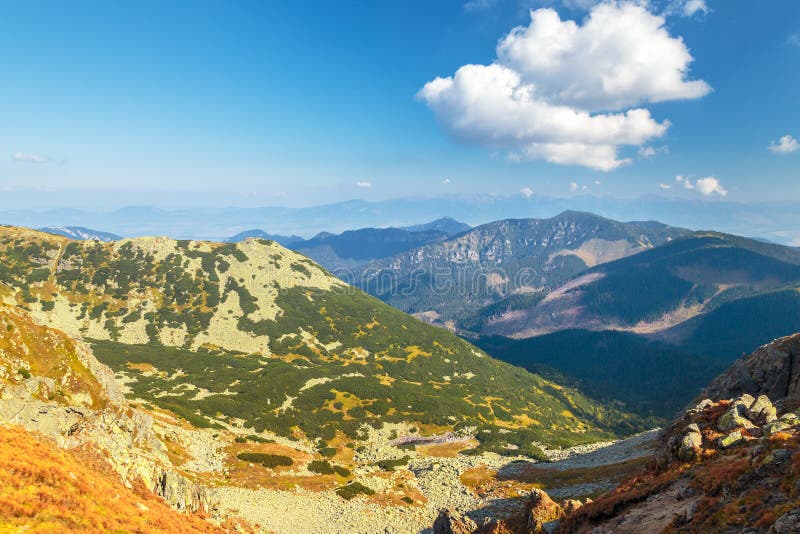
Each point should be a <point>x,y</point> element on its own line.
<point>46,489</point>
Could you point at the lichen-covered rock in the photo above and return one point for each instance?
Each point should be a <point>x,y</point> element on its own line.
<point>690,445</point>
<point>762,411</point>
<point>451,522</point>
<point>731,439</point>
<point>734,418</point>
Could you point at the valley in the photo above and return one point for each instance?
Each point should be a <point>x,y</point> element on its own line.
<point>277,396</point>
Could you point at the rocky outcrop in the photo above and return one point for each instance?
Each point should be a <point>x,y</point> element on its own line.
<point>82,408</point>
<point>541,510</point>
<point>726,466</point>
<point>772,370</point>
<point>451,522</point>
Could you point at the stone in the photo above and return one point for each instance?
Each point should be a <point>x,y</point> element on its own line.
<point>731,439</point>
<point>777,426</point>
<point>772,370</point>
<point>541,509</point>
<point>451,522</point>
<point>762,411</point>
<point>734,418</point>
<point>703,405</point>
<point>690,445</point>
<point>788,523</point>
<point>745,400</point>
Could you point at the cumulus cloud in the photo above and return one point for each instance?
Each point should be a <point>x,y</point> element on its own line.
<point>664,186</point>
<point>573,187</point>
<point>569,93</point>
<point>364,184</point>
<point>527,192</point>
<point>705,186</point>
<point>785,145</point>
<point>446,181</point>
<point>31,158</point>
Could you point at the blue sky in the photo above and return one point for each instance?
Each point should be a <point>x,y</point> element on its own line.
<point>297,103</point>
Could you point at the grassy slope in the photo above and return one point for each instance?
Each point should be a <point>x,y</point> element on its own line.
<point>47,489</point>
<point>331,357</point>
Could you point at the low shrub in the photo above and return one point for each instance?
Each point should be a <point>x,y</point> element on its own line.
<point>267,460</point>
<point>354,489</point>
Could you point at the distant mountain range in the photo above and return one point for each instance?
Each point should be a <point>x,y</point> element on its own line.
<point>448,225</point>
<point>80,233</point>
<point>355,247</point>
<point>285,240</point>
<point>448,281</point>
<point>653,328</point>
<point>776,221</point>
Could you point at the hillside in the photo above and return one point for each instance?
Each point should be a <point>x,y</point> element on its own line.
<point>80,233</point>
<point>452,280</point>
<point>728,463</point>
<point>265,339</point>
<point>651,378</point>
<point>47,489</point>
<point>660,288</point>
<point>448,225</point>
<point>652,329</point>
<point>285,240</point>
<point>340,252</point>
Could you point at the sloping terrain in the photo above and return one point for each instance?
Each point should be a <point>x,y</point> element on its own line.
<point>649,377</point>
<point>80,233</point>
<point>660,288</point>
<point>285,240</point>
<point>256,336</point>
<point>651,330</point>
<point>730,463</point>
<point>47,489</point>
<point>448,225</point>
<point>452,280</point>
<point>355,247</point>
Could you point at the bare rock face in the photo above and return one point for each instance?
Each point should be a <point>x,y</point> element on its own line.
<point>772,370</point>
<point>451,522</point>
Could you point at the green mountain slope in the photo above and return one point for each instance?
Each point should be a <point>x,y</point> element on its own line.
<point>254,335</point>
<point>650,378</point>
<point>660,288</point>
<point>452,280</point>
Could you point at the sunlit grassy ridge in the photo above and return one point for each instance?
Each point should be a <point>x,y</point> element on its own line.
<point>254,334</point>
<point>47,489</point>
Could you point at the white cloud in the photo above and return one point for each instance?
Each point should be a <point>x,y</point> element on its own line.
<point>647,152</point>
<point>597,182</point>
<point>527,192</point>
<point>705,186</point>
<point>446,181</point>
<point>709,186</point>
<point>566,93</point>
<point>364,184</point>
<point>31,158</point>
<point>686,8</point>
<point>573,187</point>
<point>794,39</point>
<point>664,186</point>
<point>785,145</point>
